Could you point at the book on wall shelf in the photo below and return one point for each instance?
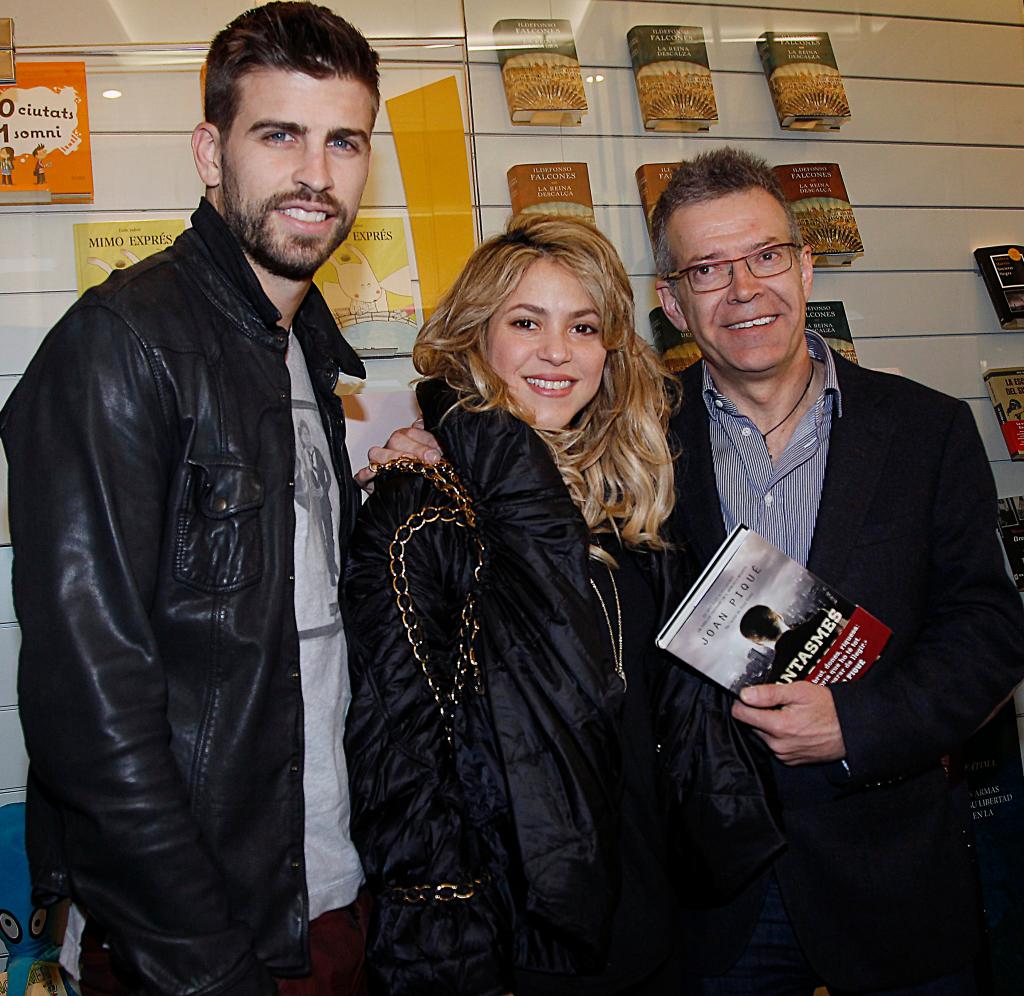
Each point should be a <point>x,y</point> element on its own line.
<point>651,180</point>
<point>1006,389</point>
<point>804,81</point>
<point>817,194</point>
<point>45,155</point>
<point>828,319</point>
<point>1011,531</point>
<point>103,247</point>
<point>540,71</point>
<point>7,52</point>
<point>673,78</point>
<point>678,349</point>
<point>1002,268</point>
<point>756,616</point>
<point>561,189</point>
<point>367,284</point>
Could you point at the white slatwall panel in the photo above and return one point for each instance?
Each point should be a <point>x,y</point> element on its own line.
<point>932,159</point>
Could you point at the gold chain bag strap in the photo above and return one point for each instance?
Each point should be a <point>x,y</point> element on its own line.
<point>457,510</point>
<point>460,511</point>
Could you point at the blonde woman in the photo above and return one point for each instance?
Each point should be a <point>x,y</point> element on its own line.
<point>516,819</point>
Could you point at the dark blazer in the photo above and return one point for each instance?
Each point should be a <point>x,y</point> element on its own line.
<point>879,877</point>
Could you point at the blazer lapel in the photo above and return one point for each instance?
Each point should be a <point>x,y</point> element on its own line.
<point>858,442</point>
<point>699,511</point>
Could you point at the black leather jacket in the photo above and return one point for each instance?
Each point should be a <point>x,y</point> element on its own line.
<point>501,849</point>
<point>151,501</point>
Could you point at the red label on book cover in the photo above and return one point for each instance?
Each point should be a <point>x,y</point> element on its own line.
<point>1013,436</point>
<point>854,651</point>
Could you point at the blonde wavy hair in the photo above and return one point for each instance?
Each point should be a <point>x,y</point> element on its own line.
<point>614,457</point>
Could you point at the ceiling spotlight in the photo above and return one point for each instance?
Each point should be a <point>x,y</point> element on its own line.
<point>111,94</point>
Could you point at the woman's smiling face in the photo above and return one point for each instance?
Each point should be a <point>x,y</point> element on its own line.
<point>545,343</point>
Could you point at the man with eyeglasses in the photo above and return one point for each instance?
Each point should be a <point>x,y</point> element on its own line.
<point>882,488</point>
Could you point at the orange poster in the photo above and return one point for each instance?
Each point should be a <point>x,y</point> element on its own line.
<point>44,136</point>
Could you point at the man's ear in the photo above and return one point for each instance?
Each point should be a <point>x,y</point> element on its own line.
<point>206,150</point>
<point>670,304</point>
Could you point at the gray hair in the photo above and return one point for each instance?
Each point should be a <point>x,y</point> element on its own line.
<point>707,177</point>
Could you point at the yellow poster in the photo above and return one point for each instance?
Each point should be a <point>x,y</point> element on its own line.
<point>105,246</point>
<point>367,284</point>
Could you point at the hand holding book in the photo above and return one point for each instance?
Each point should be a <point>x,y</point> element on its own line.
<point>797,722</point>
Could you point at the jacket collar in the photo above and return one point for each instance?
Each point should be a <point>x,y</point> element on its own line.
<point>698,514</point>
<point>229,280</point>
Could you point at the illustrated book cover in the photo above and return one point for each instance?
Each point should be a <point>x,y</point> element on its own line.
<point>367,284</point>
<point>1006,389</point>
<point>818,196</point>
<point>828,319</point>
<point>673,78</point>
<point>540,71</point>
<point>45,153</point>
<point>756,616</point>
<point>651,180</point>
<point>105,246</point>
<point>804,80</point>
<point>551,188</point>
<point>1002,268</point>
<point>678,349</point>
<point>1011,531</point>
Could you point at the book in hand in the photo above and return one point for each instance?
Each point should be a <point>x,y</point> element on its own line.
<point>828,319</point>
<point>817,194</point>
<point>45,153</point>
<point>804,80</point>
<point>1002,268</point>
<point>673,79</point>
<point>561,189</point>
<point>1011,531</point>
<point>1006,389</point>
<point>540,71</point>
<point>757,616</point>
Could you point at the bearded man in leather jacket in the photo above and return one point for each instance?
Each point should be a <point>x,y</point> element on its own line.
<point>184,787</point>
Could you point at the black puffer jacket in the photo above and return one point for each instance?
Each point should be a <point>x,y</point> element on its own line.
<point>500,848</point>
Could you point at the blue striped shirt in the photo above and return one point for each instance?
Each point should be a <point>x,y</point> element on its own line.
<point>779,501</point>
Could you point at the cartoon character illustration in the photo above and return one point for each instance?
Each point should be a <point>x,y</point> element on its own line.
<point>40,168</point>
<point>359,296</point>
<point>27,949</point>
<point>7,166</point>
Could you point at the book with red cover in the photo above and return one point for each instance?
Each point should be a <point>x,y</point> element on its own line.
<point>756,616</point>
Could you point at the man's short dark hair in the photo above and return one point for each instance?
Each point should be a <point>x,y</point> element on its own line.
<point>707,177</point>
<point>759,622</point>
<point>296,37</point>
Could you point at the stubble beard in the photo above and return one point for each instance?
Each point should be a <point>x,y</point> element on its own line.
<point>295,257</point>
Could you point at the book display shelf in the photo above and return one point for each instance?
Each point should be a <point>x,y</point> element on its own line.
<point>931,158</point>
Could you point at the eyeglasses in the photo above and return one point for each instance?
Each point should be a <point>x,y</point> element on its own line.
<point>714,274</point>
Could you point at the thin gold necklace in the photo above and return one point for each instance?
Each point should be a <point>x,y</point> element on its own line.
<point>616,644</point>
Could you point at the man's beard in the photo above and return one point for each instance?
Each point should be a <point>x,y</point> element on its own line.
<point>293,257</point>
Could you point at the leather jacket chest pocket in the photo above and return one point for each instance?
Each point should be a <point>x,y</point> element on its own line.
<point>218,547</point>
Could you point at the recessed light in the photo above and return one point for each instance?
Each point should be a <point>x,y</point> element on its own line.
<point>111,94</point>
<point>595,79</point>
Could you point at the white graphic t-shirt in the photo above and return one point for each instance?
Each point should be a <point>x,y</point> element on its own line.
<point>333,871</point>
